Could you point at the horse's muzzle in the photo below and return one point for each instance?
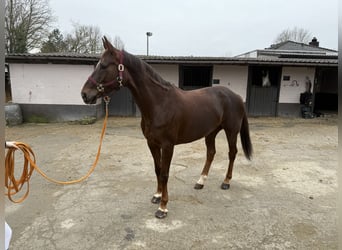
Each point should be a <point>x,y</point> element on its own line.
<point>87,99</point>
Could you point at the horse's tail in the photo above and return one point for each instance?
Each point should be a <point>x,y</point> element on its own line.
<point>245,138</point>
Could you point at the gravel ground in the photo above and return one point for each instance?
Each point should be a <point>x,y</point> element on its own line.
<point>285,198</point>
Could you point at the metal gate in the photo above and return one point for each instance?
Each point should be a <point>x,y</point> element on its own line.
<point>263,101</point>
<point>122,103</point>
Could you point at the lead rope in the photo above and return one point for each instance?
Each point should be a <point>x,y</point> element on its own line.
<point>14,185</point>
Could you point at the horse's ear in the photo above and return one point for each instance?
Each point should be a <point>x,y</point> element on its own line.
<point>107,44</point>
<point>104,41</point>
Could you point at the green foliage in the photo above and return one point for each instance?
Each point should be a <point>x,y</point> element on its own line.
<point>37,119</point>
<point>55,43</point>
<point>83,39</point>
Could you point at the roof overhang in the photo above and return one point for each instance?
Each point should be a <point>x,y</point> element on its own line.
<point>92,59</point>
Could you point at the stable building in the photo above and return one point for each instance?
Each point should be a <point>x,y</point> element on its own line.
<point>270,81</point>
<point>288,79</point>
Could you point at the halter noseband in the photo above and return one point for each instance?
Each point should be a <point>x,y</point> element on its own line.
<point>101,86</point>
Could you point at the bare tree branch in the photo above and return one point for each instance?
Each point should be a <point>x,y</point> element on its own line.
<point>295,34</point>
<point>84,39</point>
<point>26,24</point>
<point>118,43</point>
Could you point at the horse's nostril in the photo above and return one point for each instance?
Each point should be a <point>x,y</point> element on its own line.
<point>84,97</point>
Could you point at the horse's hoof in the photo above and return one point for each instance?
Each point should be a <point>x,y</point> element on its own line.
<point>160,214</point>
<point>198,186</point>
<point>156,200</point>
<point>225,186</point>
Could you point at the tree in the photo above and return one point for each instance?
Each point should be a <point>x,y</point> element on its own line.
<point>118,43</point>
<point>296,34</point>
<point>26,24</point>
<point>84,39</point>
<point>55,43</point>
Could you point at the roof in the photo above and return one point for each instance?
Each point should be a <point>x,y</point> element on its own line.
<point>92,59</point>
<point>296,46</point>
<point>67,58</point>
<point>291,49</point>
<point>239,61</point>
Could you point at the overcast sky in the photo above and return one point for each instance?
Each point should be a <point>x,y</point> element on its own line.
<point>200,27</point>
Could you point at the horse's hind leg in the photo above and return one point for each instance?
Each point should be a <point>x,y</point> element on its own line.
<point>232,138</point>
<point>210,143</point>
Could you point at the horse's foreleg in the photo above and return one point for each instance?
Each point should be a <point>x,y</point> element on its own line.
<point>232,138</point>
<point>167,152</point>
<point>156,154</point>
<point>211,151</point>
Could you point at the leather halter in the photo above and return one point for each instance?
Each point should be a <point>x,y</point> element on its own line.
<point>101,86</point>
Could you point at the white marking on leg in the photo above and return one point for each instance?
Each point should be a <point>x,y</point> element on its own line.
<point>157,195</point>
<point>163,210</point>
<point>202,179</point>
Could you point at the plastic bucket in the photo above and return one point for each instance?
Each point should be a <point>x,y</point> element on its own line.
<point>13,114</point>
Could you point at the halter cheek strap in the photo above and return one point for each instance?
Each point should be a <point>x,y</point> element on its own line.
<point>101,86</point>
<point>121,69</point>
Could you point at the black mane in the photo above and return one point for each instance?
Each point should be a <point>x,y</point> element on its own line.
<point>140,66</point>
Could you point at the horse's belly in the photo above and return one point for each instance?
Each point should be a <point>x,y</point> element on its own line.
<point>190,136</point>
<point>197,129</point>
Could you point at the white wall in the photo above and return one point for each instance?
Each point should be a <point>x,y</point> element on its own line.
<point>290,90</point>
<point>48,83</point>
<point>234,77</point>
<point>168,72</point>
<point>61,84</point>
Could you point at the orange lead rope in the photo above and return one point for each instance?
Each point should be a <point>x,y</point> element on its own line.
<point>14,185</point>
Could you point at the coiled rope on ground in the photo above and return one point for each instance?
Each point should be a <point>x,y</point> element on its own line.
<point>15,185</point>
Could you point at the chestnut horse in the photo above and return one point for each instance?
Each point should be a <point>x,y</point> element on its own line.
<point>171,116</point>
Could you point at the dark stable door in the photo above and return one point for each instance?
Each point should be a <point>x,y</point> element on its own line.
<point>263,101</point>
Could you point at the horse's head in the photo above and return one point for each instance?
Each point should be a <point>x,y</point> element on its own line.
<point>107,76</point>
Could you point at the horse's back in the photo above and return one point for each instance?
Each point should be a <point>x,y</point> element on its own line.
<point>229,100</point>
<point>214,100</point>
<point>201,111</point>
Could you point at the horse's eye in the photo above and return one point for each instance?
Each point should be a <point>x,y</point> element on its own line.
<point>102,66</point>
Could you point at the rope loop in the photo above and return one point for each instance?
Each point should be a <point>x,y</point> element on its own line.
<point>15,185</point>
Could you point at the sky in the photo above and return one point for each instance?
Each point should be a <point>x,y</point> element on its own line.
<point>200,27</point>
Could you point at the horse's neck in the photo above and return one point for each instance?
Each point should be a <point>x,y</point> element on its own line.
<point>148,93</point>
